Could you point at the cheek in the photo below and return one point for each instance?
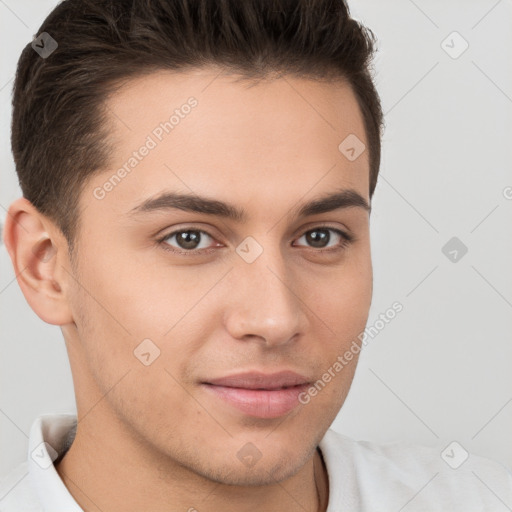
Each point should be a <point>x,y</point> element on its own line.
<point>128,298</point>
<point>114,358</point>
<point>125,309</point>
<point>111,309</point>
<point>342,296</point>
<point>341,307</point>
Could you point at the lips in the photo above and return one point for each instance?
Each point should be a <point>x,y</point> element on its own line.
<point>257,394</point>
<point>257,380</point>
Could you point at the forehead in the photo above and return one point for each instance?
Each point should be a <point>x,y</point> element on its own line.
<point>209,133</point>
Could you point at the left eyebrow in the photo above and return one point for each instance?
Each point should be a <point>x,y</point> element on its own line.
<point>346,198</point>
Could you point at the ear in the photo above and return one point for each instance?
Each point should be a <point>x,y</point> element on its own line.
<point>39,254</point>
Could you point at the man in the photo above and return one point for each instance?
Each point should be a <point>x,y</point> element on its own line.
<point>197,180</point>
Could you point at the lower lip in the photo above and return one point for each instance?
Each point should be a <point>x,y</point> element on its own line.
<point>259,402</point>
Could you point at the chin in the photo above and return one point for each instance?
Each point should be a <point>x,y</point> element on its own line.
<point>277,466</point>
<point>260,475</point>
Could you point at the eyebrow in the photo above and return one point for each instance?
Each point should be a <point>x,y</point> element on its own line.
<point>347,198</point>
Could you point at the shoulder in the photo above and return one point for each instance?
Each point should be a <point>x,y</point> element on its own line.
<point>399,474</point>
<point>17,492</point>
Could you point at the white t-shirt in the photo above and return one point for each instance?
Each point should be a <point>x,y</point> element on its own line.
<point>363,476</point>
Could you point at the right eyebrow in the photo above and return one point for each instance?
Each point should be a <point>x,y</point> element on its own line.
<point>190,203</point>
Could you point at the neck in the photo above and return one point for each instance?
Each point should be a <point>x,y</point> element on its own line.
<point>126,475</point>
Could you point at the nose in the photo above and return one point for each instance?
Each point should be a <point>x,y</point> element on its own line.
<point>264,303</point>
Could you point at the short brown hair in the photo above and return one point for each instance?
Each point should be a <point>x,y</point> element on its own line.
<point>58,126</point>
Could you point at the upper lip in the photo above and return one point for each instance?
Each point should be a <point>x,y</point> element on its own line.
<point>259,380</point>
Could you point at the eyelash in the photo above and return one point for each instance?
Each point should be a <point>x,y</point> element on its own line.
<point>345,242</point>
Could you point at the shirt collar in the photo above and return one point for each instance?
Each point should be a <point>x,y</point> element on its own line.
<point>49,439</point>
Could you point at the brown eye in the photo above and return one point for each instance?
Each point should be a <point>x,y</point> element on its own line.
<point>188,239</point>
<point>318,237</point>
<point>321,237</point>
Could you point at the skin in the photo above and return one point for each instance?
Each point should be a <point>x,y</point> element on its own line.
<point>150,437</point>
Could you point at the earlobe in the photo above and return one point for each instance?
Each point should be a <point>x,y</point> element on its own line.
<point>38,253</point>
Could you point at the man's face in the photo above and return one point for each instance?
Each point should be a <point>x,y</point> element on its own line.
<point>159,315</point>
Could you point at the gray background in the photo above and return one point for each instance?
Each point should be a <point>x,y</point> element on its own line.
<point>438,372</point>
